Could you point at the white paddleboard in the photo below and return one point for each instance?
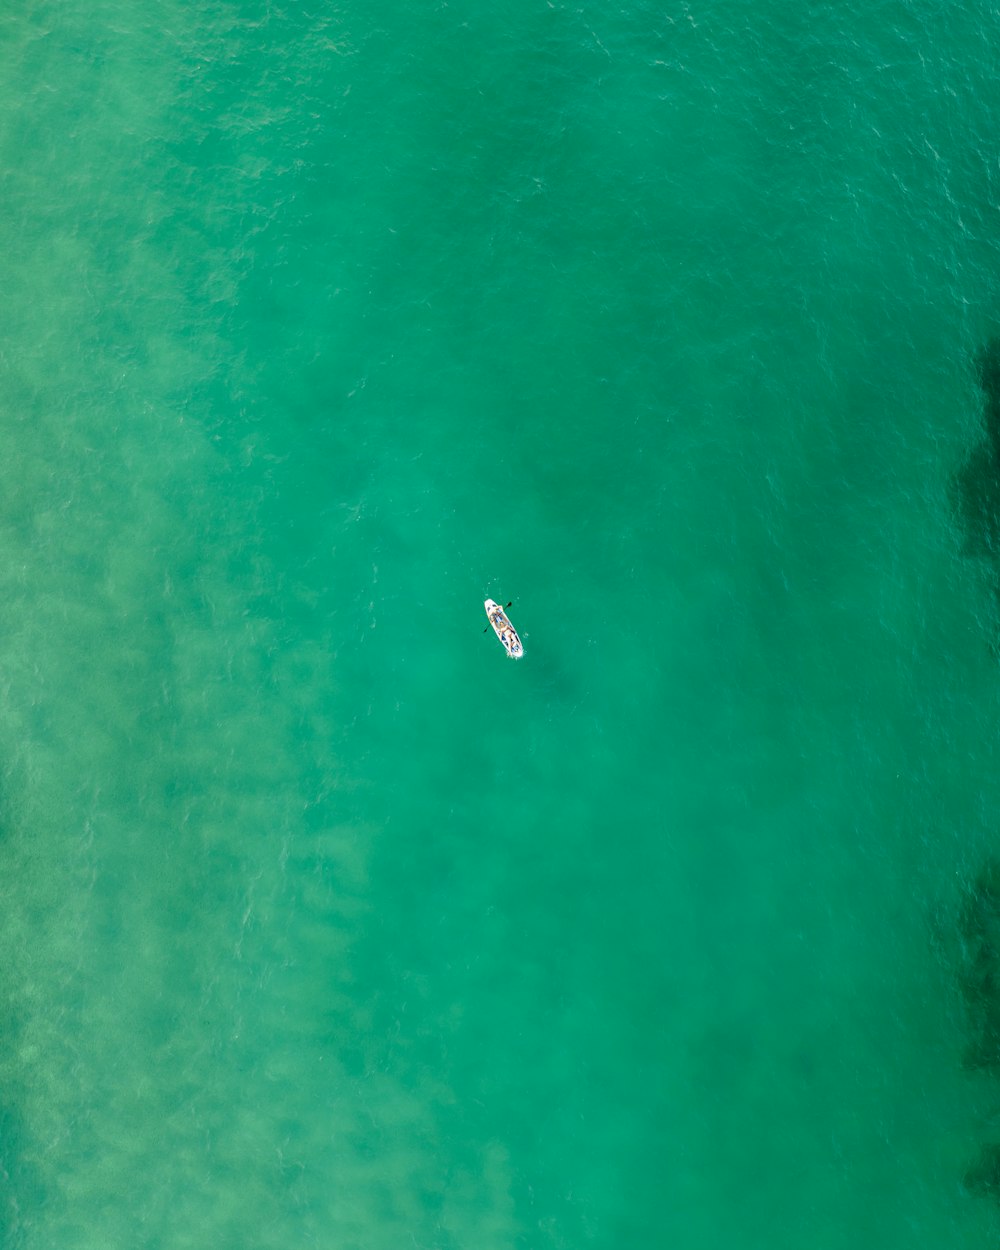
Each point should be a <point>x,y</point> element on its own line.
<point>504,630</point>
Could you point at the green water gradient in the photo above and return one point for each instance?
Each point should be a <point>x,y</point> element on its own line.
<point>324,923</point>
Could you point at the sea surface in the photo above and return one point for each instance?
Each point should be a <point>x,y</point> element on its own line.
<point>322,922</point>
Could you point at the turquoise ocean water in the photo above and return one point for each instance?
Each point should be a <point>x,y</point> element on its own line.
<point>322,923</point>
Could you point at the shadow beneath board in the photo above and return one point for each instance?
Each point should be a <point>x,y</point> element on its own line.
<point>552,677</point>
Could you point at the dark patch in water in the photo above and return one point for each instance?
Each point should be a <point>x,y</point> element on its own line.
<point>977,483</point>
<point>977,499</point>
<point>978,928</point>
<point>983,1178</point>
<point>979,978</point>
